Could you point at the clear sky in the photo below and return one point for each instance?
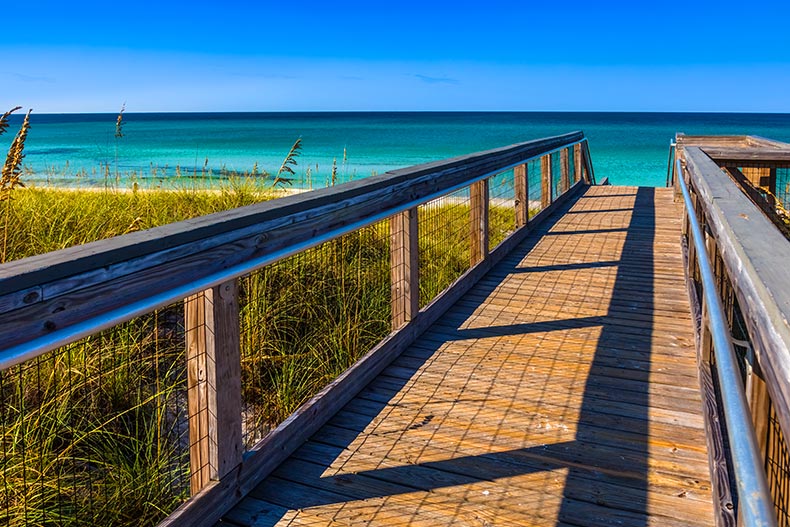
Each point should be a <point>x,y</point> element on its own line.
<point>228,55</point>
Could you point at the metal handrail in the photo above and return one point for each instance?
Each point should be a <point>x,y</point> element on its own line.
<point>37,346</point>
<point>670,164</point>
<point>755,504</point>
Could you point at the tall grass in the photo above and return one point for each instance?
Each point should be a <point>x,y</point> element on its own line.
<point>96,432</point>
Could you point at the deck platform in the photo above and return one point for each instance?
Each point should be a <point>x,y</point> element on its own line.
<point>561,390</point>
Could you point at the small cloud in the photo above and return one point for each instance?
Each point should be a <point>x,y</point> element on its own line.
<point>33,78</point>
<point>437,80</point>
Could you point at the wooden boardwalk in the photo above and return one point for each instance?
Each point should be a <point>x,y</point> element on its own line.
<point>562,390</point>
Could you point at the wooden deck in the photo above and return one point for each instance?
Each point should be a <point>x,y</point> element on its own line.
<point>562,390</point>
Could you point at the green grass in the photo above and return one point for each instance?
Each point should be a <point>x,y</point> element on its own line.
<point>95,433</point>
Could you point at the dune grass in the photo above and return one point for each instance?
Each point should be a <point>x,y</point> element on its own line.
<point>96,432</point>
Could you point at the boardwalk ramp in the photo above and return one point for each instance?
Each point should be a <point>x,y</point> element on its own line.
<point>561,390</point>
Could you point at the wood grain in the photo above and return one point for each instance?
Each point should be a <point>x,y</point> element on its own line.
<point>538,398</point>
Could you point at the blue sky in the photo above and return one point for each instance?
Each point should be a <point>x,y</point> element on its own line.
<point>485,55</point>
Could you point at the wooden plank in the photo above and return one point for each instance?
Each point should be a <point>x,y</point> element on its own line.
<point>211,503</point>
<point>213,383</point>
<point>478,223</point>
<point>452,417</point>
<point>404,253</point>
<point>740,157</point>
<point>521,186</point>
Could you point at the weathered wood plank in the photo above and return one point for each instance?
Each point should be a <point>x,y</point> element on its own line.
<point>404,254</point>
<point>755,255</point>
<point>213,383</point>
<point>521,185</point>
<point>478,221</point>
<point>572,406</point>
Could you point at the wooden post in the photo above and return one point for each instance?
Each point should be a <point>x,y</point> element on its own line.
<point>565,168</point>
<point>478,194</point>
<point>545,181</point>
<point>577,162</point>
<point>589,176</point>
<point>404,267</point>
<point>521,184</point>
<point>213,383</point>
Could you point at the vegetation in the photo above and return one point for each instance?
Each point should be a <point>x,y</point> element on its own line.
<point>96,432</point>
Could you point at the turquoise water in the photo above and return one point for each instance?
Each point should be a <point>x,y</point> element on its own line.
<point>629,148</point>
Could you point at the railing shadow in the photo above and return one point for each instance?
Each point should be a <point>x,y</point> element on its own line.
<point>597,468</point>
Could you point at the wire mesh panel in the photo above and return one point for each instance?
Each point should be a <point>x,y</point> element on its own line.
<point>777,468</point>
<point>783,188</point>
<point>556,175</point>
<point>444,242</point>
<point>306,319</point>
<point>95,433</point>
<point>533,186</point>
<point>501,207</point>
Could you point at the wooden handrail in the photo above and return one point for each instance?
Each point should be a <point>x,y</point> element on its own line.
<point>50,300</point>
<point>44,294</point>
<point>755,255</point>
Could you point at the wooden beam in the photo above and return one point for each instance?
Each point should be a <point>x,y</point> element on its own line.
<point>404,252</point>
<point>521,185</point>
<point>749,156</point>
<point>577,162</point>
<point>478,196</point>
<point>213,383</point>
<point>545,181</point>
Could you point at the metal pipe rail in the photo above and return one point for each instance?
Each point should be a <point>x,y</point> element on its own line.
<point>51,300</point>
<point>57,335</point>
<point>755,504</point>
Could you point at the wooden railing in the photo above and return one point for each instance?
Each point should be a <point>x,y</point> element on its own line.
<point>51,300</point>
<point>749,257</point>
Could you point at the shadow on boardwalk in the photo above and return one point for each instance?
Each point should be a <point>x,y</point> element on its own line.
<point>562,381</point>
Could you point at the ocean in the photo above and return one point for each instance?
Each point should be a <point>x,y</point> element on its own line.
<point>75,149</point>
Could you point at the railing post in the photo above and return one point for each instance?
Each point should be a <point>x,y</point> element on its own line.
<point>577,162</point>
<point>404,268</point>
<point>478,197</point>
<point>213,383</point>
<point>545,181</point>
<point>564,171</point>
<point>589,176</point>
<point>521,185</point>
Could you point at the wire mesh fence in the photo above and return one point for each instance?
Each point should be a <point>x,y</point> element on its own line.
<point>96,433</point>
<point>103,431</point>
<point>444,243</point>
<point>534,191</point>
<point>771,440</point>
<point>783,187</point>
<point>306,319</point>
<point>501,207</point>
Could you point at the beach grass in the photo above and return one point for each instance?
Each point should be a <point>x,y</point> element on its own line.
<point>96,432</point>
